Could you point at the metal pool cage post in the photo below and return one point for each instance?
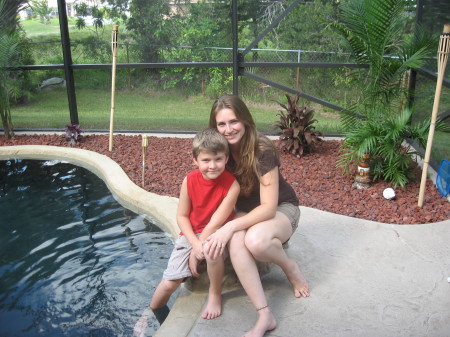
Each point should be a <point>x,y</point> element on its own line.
<point>67,55</point>
<point>442,57</point>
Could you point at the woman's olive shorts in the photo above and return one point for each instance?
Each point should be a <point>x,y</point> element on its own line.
<point>292,212</point>
<point>288,209</point>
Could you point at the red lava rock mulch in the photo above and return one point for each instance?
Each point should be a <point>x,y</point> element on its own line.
<point>315,178</point>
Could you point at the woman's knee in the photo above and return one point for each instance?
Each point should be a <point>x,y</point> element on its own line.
<point>256,242</point>
<point>237,243</point>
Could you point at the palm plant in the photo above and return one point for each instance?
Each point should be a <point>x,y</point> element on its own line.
<point>384,139</point>
<point>378,124</point>
<point>12,48</point>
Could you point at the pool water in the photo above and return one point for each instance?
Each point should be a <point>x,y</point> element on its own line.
<point>74,262</point>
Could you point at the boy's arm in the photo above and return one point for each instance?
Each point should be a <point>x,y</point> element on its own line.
<point>222,212</point>
<point>184,208</point>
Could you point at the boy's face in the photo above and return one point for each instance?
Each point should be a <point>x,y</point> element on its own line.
<point>211,165</point>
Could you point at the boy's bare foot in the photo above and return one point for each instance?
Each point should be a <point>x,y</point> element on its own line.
<point>213,307</point>
<point>297,280</point>
<point>265,322</point>
<point>141,325</point>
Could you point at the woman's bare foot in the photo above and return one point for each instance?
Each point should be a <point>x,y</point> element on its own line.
<point>297,279</point>
<point>213,307</point>
<point>265,322</point>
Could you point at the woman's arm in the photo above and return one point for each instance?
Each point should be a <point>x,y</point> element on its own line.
<point>266,210</point>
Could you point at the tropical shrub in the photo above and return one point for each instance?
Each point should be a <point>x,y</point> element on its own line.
<point>377,122</point>
<point>14,50</point>
<point>297,130</point>
<point>391,158</point>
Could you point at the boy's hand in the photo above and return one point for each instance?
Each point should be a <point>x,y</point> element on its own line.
<point>193,263</point>
<point>197,250</point>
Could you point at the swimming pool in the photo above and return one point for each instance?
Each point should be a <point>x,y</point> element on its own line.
<point>74,262</point>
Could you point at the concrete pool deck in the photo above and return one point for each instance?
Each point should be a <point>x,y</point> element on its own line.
<point>365,278</point>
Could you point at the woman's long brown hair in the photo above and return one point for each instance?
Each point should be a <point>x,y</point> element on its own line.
<point>245,169</point>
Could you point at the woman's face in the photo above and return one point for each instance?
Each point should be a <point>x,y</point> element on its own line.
<point>230,126</point>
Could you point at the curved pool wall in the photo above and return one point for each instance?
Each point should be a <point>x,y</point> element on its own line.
<point>160,210</point>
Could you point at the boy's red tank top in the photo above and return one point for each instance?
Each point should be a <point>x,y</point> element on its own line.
<point>206,196</point>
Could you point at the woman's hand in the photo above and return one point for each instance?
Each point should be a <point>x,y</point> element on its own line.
<point>216,242</point>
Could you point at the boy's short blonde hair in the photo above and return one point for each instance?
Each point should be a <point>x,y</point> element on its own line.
<point>209,140</point>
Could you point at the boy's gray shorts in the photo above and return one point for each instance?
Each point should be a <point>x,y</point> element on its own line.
<point>178,265</point>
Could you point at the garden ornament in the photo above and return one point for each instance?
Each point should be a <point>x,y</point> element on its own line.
<point>389,193</point>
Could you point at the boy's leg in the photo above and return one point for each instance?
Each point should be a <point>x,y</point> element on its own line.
<point>158,305</point>
<point>162,293</point>
<point>215,270</point>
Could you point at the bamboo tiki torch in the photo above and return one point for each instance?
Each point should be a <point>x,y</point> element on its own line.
<point>144,152</point>
<point>113,84</point>
<point>444,46</point>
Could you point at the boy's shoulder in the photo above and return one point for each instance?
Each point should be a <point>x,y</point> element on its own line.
<point>228,174</point>
<point>193,173</point>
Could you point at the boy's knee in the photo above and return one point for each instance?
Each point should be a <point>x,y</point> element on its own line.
<point>212,261</point>
<point>170,285</point>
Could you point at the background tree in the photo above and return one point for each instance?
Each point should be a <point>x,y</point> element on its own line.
<point>305,27</point>
<point>200,27</point>
<point>97,14</point>
<point>14,51</point>
<point>41,8</point>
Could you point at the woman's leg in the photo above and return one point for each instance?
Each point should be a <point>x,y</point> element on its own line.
<point>264,241</point>
<point>215,270</point>
<point>245,266</point>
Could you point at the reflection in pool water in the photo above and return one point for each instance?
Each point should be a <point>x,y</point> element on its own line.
<point>74,262</point>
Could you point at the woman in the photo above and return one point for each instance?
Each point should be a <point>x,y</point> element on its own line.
<point>267,211</point>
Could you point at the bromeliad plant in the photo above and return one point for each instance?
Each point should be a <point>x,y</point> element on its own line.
<point>297,130</point>
<point>73,133</point>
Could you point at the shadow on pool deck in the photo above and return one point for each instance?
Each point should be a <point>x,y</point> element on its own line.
<point>365,278</point>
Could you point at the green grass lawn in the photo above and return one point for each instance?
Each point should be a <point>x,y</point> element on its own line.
<point>37,31</point>
<point>137,110</point>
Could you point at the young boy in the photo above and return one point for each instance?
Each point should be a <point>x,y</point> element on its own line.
<point>206,202</point>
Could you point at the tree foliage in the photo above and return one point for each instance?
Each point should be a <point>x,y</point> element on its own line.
<point>14,49</point>
<point>41,8</point>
